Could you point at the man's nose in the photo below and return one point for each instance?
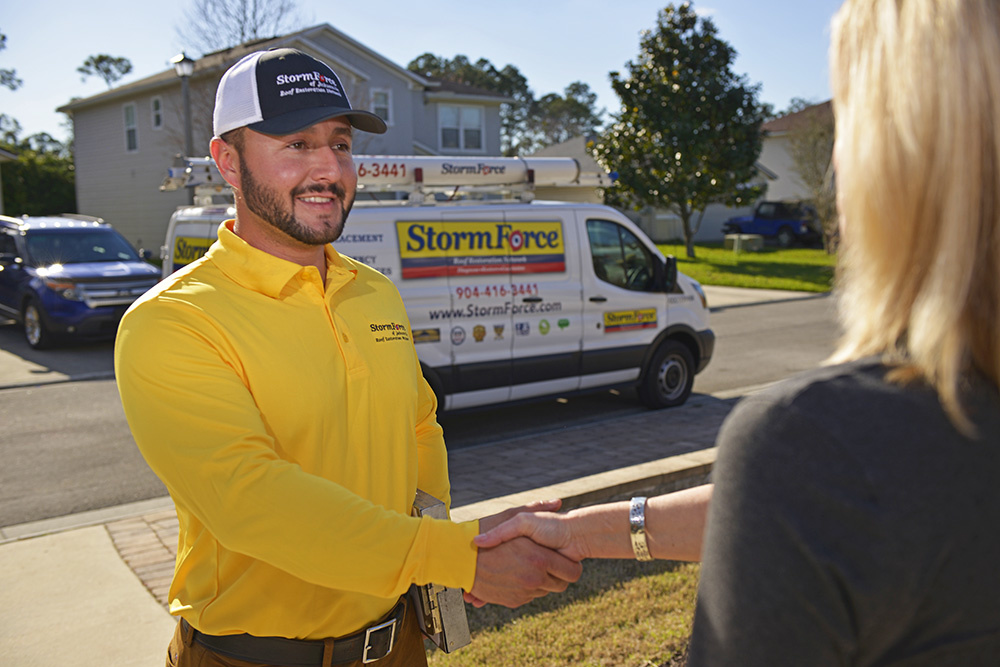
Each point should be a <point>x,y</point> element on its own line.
<point>328,165</point>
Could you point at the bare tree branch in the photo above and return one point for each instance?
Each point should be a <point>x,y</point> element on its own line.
<point>212,25</point>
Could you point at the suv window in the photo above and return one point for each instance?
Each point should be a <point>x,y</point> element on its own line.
<point>7,244</point>
<point>94,245</point>
<point>767,210</point>
<point>620,258</point>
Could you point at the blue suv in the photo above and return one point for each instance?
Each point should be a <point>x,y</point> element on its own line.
<point>68,275</point>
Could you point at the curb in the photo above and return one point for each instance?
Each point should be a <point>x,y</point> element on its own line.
<point>797,296</point>
<point>673,473</point>
<point>655,477</point>
<point>24,531</point>
<point>82,377</point>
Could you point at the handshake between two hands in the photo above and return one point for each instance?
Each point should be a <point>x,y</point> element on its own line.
<point>530,551</point>
<point>524,553</point>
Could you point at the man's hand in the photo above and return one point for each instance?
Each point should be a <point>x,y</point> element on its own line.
<point>490,580</point>
<point>519,571</point>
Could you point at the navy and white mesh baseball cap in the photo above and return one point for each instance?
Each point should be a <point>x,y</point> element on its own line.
<point>282,91</point>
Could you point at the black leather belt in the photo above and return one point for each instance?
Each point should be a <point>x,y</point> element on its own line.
<point>368,645</point>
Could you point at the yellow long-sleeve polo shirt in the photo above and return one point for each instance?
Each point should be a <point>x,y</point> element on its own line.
<point>292,426</point>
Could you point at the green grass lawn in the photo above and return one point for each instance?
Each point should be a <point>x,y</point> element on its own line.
<point>799,269</point>
<point>621,612</point>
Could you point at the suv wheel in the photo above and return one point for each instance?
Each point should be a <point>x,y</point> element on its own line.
<point>36,332</point>
<point>669,377</point>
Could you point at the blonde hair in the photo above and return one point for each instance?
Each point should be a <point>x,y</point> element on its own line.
<point>917,102</point>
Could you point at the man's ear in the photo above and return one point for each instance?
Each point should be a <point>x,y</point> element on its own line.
<point>227,160</point>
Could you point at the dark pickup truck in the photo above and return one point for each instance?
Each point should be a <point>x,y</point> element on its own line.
<point>787,223</point>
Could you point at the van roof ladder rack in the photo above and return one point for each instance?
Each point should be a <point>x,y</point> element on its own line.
<point>418,177</point>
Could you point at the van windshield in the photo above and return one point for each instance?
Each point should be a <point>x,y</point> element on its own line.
<point>77,247</point>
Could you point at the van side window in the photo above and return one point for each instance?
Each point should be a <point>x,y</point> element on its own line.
<point>619,256</point>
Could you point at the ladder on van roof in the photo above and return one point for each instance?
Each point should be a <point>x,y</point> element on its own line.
<point>415,178</point>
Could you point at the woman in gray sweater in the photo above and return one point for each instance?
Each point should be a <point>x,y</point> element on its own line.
<point>854,511</point>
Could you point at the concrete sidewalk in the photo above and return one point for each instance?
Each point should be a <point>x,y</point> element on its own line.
<point>90,589</point>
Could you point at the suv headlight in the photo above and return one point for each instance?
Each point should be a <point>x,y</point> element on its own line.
<point>63,288</point>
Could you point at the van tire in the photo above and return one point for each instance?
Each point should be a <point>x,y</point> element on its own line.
<point>668,378</point>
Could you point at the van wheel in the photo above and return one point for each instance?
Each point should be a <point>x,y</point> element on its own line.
<point>36,332</point>
<point>669,377</point>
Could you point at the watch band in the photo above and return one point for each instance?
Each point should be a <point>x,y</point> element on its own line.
<point>637,528</point>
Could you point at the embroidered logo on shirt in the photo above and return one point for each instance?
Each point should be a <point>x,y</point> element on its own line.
<point>389,331</point>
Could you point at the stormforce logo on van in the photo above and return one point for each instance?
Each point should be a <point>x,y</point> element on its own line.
<point>485,169</point>
<point>629,320</point>
<point>434,249</point>
<point>189,248</point>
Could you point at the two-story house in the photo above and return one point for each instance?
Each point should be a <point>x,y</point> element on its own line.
<point>127,137</point>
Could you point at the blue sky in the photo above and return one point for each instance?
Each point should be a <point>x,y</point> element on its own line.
<point>782,44</point>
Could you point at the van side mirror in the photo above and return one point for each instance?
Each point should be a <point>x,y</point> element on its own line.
<point>670,274</point>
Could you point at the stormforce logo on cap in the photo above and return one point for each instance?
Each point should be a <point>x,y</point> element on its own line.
<point>269,92</point>
<point>318,83</point>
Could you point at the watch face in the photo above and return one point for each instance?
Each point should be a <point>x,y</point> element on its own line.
<point>637,526</point>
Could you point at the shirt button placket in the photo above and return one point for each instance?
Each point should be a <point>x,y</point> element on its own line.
<point>342,334</point>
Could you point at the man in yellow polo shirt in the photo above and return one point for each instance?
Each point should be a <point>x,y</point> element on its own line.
<point>290,433</point>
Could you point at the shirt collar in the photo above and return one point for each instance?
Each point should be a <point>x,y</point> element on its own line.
<point>267,274</point>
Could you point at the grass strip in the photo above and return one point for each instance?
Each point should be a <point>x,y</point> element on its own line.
<point>621,612</point>
<point>796,269</point>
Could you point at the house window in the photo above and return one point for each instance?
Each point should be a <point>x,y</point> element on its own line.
<point>461,128</point>
<point>157,113</point>
<point>382,105</point>
<point>131,131</point>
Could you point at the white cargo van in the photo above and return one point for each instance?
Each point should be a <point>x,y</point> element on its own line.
<point>510,300</point>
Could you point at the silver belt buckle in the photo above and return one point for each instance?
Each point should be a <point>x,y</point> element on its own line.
<point>391,626</point>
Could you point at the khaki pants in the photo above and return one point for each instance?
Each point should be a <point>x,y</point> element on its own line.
<point>408,650</point>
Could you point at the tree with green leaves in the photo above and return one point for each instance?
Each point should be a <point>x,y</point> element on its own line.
<point>8,77</point>
<point>688,132</point>
<point>41,181</point>
<point>562,117</point>
<point>108,68</point>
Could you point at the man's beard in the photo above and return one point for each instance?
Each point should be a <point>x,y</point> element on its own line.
<point>267,205</point>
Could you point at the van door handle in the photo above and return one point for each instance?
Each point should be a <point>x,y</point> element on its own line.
<point>532,299</point>
<point>598,299</point>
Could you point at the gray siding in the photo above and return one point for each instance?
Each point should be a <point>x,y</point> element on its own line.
<point>120,186</point>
